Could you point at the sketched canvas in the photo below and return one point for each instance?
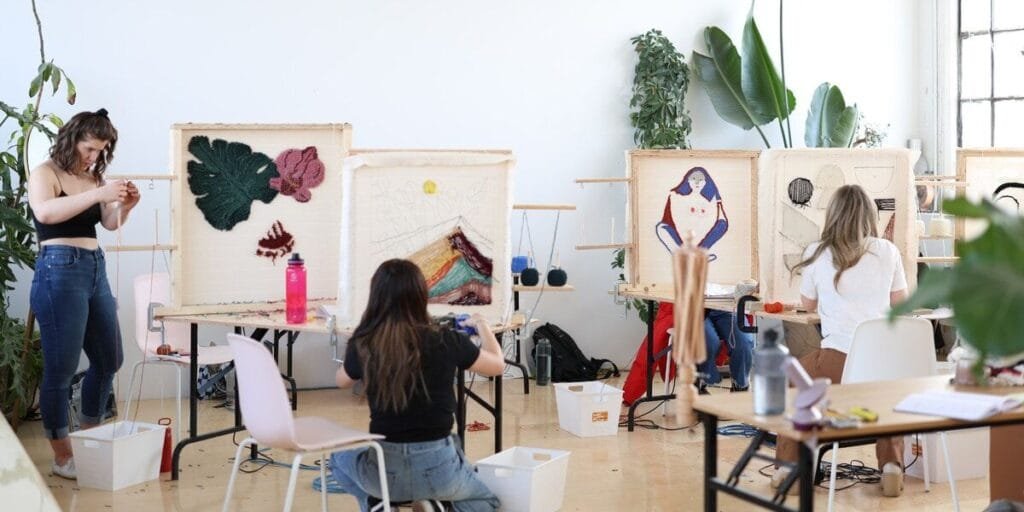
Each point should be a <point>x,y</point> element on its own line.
<point>447,211</point>
<point>248,196</point>
<point>795,188</point>
<point>709,193</point>
<point>997,175</point>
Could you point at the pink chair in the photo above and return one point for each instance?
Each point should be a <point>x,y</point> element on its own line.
<point>156,289</point>
<point>268,417</point>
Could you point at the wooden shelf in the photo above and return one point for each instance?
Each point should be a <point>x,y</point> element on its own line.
<point>139,248</point>
<point>546,288</point>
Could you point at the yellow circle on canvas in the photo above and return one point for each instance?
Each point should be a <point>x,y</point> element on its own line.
<point>429,187</point>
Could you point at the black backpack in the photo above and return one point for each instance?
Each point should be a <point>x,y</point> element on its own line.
<point>568,364</point>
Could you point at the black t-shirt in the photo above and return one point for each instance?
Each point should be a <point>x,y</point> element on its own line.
<point>425,418</point>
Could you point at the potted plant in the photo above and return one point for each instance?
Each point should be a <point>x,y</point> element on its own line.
<point>658,114</point>
<point>985,287</point>
<point>20,359</point>
<point>748,91</point>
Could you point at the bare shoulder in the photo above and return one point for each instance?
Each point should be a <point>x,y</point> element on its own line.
<point>45,174</point>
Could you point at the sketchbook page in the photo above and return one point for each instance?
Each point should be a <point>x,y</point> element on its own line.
<point>957,405</point>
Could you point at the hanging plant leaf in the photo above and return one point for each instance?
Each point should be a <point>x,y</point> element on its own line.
<point>227,178</point>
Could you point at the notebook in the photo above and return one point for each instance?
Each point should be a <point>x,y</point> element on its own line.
<point>958,405</point>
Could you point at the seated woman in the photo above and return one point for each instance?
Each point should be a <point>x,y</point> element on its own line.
<point>721,326</point>
<point>849,276</point>
<point>408,366</point>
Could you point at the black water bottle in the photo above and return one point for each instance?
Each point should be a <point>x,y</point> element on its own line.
<point>543,360</point>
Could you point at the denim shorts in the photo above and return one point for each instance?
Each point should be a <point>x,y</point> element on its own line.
<point>76,312</point>
<point>415,471</point>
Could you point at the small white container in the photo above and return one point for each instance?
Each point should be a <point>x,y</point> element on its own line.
<point>588,409</point>
<point>526,479</point>
<point>118,455</point>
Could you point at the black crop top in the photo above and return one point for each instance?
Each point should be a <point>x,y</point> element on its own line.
<point>82,225</point>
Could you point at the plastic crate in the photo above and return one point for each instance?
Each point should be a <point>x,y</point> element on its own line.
<point>117,455</point>
<point>588,409</point>
<point>526,479</point>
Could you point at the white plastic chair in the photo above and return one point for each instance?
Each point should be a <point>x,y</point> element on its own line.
<point>268,417</point>
<point>888,351</point>
<point>156,288</point>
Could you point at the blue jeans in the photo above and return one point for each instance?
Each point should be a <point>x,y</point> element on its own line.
<point>719,325</point>
<point>76,311</point>
<point>416,471</point>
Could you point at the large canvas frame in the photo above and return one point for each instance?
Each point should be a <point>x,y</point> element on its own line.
<point>796,186</point>
<point>447,210</point>
<point>240,265</point>
<point>711,193</point>
<point>996,174</point>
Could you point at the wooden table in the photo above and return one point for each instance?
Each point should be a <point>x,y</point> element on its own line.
<point>274,319</point>
<point>880,397</point>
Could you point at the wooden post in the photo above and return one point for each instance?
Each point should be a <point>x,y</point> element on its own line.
<point>690,268</point>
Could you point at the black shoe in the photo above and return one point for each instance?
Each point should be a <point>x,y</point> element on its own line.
<point>702,389</point>
<point>736,389</point>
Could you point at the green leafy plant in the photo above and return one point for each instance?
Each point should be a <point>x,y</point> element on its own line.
<point>985,287</point>
<point>227,178</point>
<point>20,362</point>
<point>830,122</point>
<point>660,79</point>
<point>659,116</point>
<point>748,91</point>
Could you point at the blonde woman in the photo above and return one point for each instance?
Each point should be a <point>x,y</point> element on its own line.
<point>849,276</point>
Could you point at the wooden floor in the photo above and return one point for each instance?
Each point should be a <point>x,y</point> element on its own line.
<point>647,470</point>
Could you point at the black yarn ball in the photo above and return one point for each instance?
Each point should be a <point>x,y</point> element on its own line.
<point>557,277</point>
<point>800,191</point>
<point>529,277</point>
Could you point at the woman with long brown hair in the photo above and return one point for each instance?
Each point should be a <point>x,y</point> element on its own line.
<point>70,293</point>
<point>408,366</point>
<point>849,276</point>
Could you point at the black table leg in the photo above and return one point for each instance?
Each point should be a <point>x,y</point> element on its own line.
<point>806,472</point>
<point>710,462</point>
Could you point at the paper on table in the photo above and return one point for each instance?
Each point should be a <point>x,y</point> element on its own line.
<point>715,290</point>
<point>957,405</point>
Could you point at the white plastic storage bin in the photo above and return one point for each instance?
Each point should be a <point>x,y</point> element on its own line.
<point>117,455</point>
<point>526,479</point>
<point>968,450</point>
<point>588,409</point>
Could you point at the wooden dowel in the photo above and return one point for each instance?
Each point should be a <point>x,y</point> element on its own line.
<point>603,246</point>
<point>602,180</point>
<point>543,207</point>
<point>168,177</point>
<point>139,248</point>
<point>938,259</point>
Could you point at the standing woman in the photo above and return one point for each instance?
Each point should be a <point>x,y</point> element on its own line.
<point>849,276</point>
<point>408,366</point>
<point>70,293</point>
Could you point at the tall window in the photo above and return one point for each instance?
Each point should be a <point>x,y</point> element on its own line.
<point>991,93</point>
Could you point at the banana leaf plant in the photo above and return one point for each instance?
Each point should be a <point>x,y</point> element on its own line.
<point>985,287</point>
<point>830,122</point>
<point>746,91</point>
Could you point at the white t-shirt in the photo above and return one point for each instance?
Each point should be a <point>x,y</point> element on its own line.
<point>863,292</point>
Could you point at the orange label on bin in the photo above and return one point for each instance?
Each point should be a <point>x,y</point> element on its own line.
<point>599,416</point>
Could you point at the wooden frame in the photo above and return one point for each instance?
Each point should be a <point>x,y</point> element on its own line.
<point>219,267</point>
<point>1006,164</point>
<point>790,212</point>
<point>406,203</point>
<point>652,176</point>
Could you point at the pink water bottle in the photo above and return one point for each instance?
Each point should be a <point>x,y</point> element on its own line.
<point>295,290</point>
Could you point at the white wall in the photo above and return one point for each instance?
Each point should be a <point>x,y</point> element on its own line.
<point>549,80</point>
